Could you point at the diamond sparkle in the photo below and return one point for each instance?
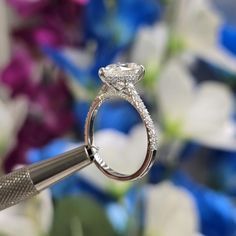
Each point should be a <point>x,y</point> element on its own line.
<point>119,75</point>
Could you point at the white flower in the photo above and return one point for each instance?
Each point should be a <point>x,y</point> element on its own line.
<point>170,211</point>
<point>198,24</point>
<point>150,45</point>
<point>195,28</point>
<point>199,112</point>
<point>82,58</point>
<point>30,218</point>
<point>124,153</point>
<point>12,116</point>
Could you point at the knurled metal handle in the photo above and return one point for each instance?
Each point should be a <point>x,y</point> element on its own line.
<point>16,187</point>
<point>29,181</point>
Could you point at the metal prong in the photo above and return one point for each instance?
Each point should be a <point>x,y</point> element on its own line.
<point>101,73</point>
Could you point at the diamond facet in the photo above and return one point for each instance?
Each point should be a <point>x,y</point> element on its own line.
<point>119,75</point>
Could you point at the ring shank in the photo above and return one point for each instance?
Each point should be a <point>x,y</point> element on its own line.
<point>131,96</point>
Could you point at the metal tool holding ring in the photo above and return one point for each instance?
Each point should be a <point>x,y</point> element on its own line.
<point>119,81</point>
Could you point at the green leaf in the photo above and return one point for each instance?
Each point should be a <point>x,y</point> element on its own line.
<point>173,129</point>
<point>119,189</point>
<point>151,75</point>
<point>80,216</point>
<point>176,45</point>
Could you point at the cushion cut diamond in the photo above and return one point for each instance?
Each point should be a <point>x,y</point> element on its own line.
<point>119,75</point>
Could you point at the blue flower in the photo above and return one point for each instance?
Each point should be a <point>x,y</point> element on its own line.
<point>118,216</point>
<point>117,115</point>
<point>81,109</point>
<point>223,171</point>
<point>157,173</point>
<point>86,77</point>
<point>228,37</point>
<point>216,211</point>
<point>134,202</point>
<point>75,185</point>
<point>116,22</point>
<point>56,147</point>
<point>113,25</point>
<point>203,71</point>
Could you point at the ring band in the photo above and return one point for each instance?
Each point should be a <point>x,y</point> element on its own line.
<point>119,82</point>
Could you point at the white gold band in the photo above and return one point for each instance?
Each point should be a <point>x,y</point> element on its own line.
<point>129,94</point>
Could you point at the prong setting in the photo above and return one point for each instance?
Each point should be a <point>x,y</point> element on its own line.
<point>119,76</point>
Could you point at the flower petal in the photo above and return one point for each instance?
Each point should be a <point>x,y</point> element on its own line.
<point>175,91</point>
<point>21,225</point>
<point>150,44</point>
<point>170,211</point>
<point>32,217</point>
<point>41,208</point>
<point>202,39</point>
<point>211,109</point>
<point>123,153</point>
<point>223,139</point>
<point>112,145</point>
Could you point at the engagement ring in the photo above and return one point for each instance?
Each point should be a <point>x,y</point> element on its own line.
<point>119,81</point>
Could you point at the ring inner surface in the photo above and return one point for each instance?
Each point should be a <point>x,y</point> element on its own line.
<point>123,149</point>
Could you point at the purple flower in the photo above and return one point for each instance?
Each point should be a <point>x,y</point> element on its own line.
<point>40,35</point>
<point>54,23</point>
<point>49,117</point>
<point>28,7</point>
<point>19,75</point>
<point>50,114</point>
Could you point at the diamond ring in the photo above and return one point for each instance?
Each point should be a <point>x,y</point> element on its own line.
<point>119,81</point>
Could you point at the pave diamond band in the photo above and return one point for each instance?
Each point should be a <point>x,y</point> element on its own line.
<point>126,75</point>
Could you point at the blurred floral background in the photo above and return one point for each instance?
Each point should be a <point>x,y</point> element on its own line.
<point>50,52</point>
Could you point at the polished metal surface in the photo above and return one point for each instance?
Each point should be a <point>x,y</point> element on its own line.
<point>29,181</point>
<point>49,172</point>
<point>119,81</point>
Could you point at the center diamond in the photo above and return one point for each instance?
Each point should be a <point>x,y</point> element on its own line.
<point>119,75</point>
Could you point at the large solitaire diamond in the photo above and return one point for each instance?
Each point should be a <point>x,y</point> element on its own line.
<point>119,75</point>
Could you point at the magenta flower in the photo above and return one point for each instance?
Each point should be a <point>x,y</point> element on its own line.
<point>54,23</point>
<point>28,7</point>
<point>20,74</point>
<point>50,114</point>
<point>40,35</point>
